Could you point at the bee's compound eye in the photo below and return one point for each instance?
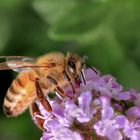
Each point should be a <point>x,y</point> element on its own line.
<point>71,67</point>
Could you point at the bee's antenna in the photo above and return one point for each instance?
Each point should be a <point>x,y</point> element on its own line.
<point>94,69</point>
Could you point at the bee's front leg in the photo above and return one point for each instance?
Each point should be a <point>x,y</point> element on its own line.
<point>66,77</point>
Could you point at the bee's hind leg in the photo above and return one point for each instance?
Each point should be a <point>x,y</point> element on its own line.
<point>36,115</point>
<point>45,103</point>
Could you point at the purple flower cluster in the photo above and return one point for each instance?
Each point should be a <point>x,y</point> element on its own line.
<point>100,110</point>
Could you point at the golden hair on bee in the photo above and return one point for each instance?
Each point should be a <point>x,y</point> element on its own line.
<point>37,77</point>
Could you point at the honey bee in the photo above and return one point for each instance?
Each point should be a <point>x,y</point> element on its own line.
<point>37,77</point>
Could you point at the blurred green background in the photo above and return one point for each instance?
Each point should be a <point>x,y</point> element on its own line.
<point>107,31</point>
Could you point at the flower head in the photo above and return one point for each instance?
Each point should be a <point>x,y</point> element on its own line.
<point>100,109</point>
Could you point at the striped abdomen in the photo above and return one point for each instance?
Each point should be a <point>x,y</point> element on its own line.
<point>20,94</point>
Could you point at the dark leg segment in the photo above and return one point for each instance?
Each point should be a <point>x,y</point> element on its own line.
<point>45,103</point>
<point>35,113</point>
<point>61,92</point>
<point>83,76</point>
<point>58,89</point>
<point>68,79</point>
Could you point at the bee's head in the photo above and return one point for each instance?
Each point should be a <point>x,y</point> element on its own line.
<point>74,64</point>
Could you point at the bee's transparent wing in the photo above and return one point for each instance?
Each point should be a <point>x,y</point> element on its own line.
<point>18,58</point>
<point>17,63</point>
